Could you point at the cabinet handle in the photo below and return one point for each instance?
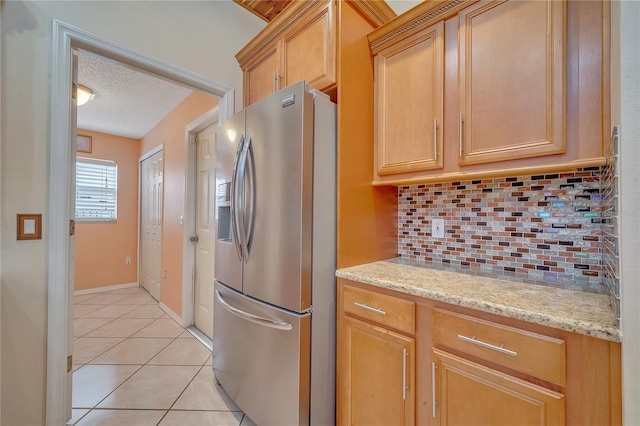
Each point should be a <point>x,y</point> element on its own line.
<point>369,308</point>
<point>275,80</point>
<point>433,389</point>
<point>435,139</point>
<point>460,134</point>
<point>404,373</point>
<point>475,341</point>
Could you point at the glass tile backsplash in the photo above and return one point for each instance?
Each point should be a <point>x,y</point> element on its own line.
<point>610,230</point>
<point>548,227</point>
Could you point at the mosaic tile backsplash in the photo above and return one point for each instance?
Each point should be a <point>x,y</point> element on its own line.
<point>610,230</point>
<point>546,227</point>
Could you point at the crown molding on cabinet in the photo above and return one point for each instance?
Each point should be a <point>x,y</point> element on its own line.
<point>421,16</point>
<point>287,18</point>
<point>377,12</point>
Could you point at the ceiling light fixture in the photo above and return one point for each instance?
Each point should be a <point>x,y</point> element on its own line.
<point>84,94</point>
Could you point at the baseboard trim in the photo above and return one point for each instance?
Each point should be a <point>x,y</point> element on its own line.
<point>177,318</point>
<point>104,288</point>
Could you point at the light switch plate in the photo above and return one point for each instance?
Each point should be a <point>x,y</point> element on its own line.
<point>437,228</point>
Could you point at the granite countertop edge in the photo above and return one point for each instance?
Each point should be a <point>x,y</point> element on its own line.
<point>589,328</point>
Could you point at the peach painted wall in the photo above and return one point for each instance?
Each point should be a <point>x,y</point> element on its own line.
<point>171,133</point>
<point>101,248</point>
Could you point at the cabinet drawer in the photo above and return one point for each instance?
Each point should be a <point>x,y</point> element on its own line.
<point>530,353</point>
<point>385,310</point>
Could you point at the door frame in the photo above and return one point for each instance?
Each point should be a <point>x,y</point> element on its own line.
<point>189,220</point>
<point>66,37</point>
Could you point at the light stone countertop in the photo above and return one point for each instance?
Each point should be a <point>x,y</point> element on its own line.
<point>576,311</point>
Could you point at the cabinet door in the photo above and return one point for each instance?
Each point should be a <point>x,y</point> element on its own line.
<point>261,77</point>
<point>377,380</point>
<point>467,393</point>
<point>309,50</point>
<point>511,80</point>
<point>409,97</point>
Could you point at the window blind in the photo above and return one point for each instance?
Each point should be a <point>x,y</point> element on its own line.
<point>96,190</point>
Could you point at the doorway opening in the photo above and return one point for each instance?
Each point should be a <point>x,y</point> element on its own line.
<point>61,210</point>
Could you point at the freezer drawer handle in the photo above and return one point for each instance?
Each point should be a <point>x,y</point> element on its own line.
<point>280,325</point>
<point>475,341</point>
<point>369,308</point>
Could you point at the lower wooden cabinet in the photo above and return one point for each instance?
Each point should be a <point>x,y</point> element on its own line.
<point>533,354</point>
<point>466,393</point>
<point>405,360</point>
<point>378,375</point>
<point>376,358</point>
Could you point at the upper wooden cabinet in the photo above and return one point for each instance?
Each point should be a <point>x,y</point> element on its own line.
<point>261,76</point>
<point>409,95</point>
<point>309,50</point>
<point>522,86</point>
<point>300,45</point>
<point>511,80</point>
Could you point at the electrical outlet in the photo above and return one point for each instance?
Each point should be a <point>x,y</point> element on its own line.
<point>127,260</point>
<point>437,228</point>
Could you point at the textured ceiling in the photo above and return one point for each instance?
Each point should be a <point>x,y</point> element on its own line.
<point>127,102</point>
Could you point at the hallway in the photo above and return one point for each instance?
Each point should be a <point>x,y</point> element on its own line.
<point>134,365</point>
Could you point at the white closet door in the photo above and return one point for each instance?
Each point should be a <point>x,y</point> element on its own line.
<point>151,198</point>
<point>205,230</point>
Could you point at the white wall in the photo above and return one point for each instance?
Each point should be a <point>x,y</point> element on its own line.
<point>202,37</point>
<point>629,113</point>
<point>401,6</point>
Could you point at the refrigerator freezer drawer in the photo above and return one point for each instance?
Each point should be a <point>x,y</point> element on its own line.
<point>261,357</point>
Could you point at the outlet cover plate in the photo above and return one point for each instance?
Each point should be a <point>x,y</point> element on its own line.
<point>437,228</point>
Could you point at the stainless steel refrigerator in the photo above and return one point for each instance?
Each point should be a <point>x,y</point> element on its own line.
<point>274,309</point>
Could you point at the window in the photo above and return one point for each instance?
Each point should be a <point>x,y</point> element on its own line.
<point>96,190</point>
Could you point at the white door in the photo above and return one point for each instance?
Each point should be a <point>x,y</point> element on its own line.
<point>205,229</point>
<point>151,196</point>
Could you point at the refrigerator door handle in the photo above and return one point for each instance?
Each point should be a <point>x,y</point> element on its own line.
<point>241,198</point>
<point>250,201</point>
<point>280,325</point>
<point>234,199</point>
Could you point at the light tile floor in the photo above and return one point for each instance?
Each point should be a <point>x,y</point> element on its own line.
<point>134,365</point>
